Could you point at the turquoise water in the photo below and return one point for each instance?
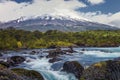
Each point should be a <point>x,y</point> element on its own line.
<point>52,71</point>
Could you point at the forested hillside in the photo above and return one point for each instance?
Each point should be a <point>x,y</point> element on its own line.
<point>13,39</point>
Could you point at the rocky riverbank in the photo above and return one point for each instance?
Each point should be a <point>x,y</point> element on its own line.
<point>14,66</point>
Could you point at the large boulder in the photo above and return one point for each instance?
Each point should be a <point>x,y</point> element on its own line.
<point>54,60</point>
<point>19,74</point>
<point>5,64</point>
<point>33,52</point>
<point>14,60</point>
<point>106,70</point>
<point>73,67</point>
<point>6,74</point>
<point>55,53</point>
<point>28,74</point>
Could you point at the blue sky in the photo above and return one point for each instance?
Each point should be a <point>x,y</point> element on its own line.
<point>103,11</point>
<point>109,6</point>
<point>20,1</point>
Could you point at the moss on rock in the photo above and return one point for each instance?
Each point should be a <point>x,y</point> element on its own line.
<point>5,64</point>
<point>105,70</point>
<point>28,74</point>
<point>6,74</point>
<point>73,67</point>
<point>2,66</point>
<point>18,74</point>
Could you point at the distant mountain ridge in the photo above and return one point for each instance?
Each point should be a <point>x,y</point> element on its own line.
<point>46,22</point>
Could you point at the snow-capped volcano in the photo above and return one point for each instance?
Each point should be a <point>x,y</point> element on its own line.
<point>62,23</point>
<point>53,17</point>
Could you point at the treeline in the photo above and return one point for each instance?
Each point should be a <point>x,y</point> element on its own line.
<point>11,39</point>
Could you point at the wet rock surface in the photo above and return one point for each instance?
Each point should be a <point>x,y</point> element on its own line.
<point>54,60</point>
<point>34,52</point>
<point>18,73</point>
<point>28,74</point>
<point>6,74</point>
<point>60,60</point>
<point>58,51</point>
<point>55,53</point>
<point>6,64</point>
<point>73,67</point>
<point>106,70</point>
<point>14,60</point>
<point>70,50</point>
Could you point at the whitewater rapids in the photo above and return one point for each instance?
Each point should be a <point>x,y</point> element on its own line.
<point>53,71</point>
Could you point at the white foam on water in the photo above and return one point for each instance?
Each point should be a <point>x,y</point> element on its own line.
<point>42,64</point>
<point>102,54</point>
<point>44,67</point>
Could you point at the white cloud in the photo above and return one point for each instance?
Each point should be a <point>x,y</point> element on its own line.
<point>10,10</point>
<point>111,19</point>
<point>94,2</point>
<point>115,19</point>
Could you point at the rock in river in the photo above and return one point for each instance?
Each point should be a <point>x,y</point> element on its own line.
<point>18,73</point>
<point>14,60</point>
<point>73,67</point>
<point>5,64</point>
<point>55,53</point>
<point>106,70</point>
<point>28,74</point>
<point>54,60</point>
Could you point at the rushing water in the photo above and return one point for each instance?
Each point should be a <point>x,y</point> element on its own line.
<point>52,71</point>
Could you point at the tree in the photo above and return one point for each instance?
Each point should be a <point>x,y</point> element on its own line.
<point>19,44</point>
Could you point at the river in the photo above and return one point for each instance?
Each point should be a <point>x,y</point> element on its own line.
<point>52,71</point>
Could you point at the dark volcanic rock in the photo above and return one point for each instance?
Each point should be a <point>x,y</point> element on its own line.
<point>55,53</point>
<point>117,59</point>
<point>14,60</point>
<point>70,50</point>
<point>19,74</point>
<point>73,67</point>
<point>33,52</point>
<point>6,64</point>
<point>6,74</point>
<point>54,60</point>
<point>28,74</point>
<point>58,51</point>
<point>106,70</point>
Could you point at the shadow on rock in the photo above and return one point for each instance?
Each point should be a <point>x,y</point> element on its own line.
<point>54,60</point>
<point>106,70</point>
<point>15,60</point>
<point>73,67</point>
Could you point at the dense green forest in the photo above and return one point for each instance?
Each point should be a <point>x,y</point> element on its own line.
<point>12,39</point>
